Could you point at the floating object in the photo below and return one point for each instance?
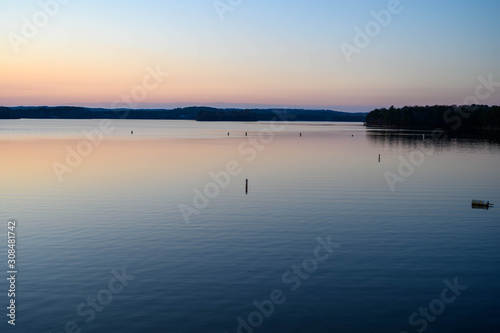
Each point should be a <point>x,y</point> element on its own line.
<point>352,135</point>
<point>131,132</point>
<point>301,134</point>
<point>246,133</point>
<point>379,158</point>
<point>227,133</point>
<point>480,204</point>
<point>246,187</point>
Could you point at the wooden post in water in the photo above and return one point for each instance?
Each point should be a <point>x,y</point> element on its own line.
<point>246,187</point>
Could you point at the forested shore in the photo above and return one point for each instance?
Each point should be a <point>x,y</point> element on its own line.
<point>447,118</point>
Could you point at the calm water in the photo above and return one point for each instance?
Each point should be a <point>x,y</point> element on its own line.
<point>119,208</point>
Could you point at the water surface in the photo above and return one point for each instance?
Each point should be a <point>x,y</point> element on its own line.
<point>119,207</point>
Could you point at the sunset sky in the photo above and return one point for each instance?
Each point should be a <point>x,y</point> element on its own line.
<point>284,53</point>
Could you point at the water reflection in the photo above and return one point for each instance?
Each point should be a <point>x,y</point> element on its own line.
<point>120,207</point>
<point>411,140</point>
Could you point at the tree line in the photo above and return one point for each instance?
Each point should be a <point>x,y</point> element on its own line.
<point>456,118</point>
<point>200,113</point>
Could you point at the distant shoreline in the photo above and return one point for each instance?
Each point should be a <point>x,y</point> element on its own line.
<point>464,118</point>
<point>187,113</point>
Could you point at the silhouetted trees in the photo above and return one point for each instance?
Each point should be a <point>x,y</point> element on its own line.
<point>458,118</point>
<point>6,113</point>
<point>218,115</point>
<point>201,113</point>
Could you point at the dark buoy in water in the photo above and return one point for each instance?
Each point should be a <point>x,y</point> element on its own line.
<point>301,134</point>
<point>246,133</point>
<point>246,187</point>
<point>131,132</point>
<point>352,135</point>
<point>480,204</point>
<point>379,158</point>
<point>227,133</point>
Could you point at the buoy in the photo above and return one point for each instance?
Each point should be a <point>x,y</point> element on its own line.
<point>246,187</point>
<point>480,204</point>
<point>227,133</point>
<point>131,132</point>
<point>300,134</point>
<point>379,158</point>
<point>246,133</point>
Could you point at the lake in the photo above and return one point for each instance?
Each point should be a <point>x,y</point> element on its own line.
<point>157,231</point>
